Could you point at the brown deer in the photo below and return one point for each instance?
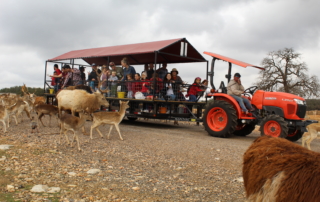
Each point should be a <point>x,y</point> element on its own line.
<point>46,109</point>
<point>73,123</point>
<point>3,117</point>
<point>110,118</point>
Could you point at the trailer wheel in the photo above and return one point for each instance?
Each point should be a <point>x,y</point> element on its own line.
<point>246,130</point>
<point>295,135</point>
<point>275,126</point>
<point>220,119</point>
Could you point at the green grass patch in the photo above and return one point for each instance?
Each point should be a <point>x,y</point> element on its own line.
<point>8,197</point>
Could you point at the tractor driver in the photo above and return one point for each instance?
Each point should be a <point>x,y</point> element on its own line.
<point>235,89</point>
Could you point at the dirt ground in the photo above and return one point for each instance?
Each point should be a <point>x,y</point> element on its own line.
<point>155,162</point>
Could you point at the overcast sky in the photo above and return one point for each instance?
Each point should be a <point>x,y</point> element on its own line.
<point>33,31</point>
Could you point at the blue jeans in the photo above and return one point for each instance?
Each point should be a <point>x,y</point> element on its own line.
<point>243,102</point>
<point>192,98</point>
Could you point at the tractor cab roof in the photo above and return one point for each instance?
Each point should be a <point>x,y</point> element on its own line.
<point>233,61</point>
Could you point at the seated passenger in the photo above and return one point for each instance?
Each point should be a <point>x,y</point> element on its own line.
<point>194,89</point>
<point>129,83</point>
<point>136,86</point>
<point>178,81</point>
<point>145,84</point>
<point>114,83</point>
<point>235,89</point>
<point>155,85</point>
<point>168,87</point>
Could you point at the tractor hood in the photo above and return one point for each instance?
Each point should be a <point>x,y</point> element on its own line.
<point>281,96</point>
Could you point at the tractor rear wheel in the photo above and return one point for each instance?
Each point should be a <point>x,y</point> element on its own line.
<point>274,125</point>
<point>246,130</point>
<point>220,118</point>
<point>295,135</point>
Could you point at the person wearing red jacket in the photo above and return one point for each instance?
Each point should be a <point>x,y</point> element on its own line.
<point>194,90</point>
<point>136,86</point>
<point>145,84</point>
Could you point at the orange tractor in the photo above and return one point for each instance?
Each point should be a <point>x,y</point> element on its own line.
<point>278,114</point>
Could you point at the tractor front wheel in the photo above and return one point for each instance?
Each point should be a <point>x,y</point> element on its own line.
<point>294,135</point>
<point>275,126</point>
<point>220,118</point>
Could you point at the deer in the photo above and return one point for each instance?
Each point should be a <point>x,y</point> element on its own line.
<point>110,118</point>
<point>35,99</point>
<point>3,116</point>
<point>309,136</point>
<point>73,123</point>
<point>46,109</point>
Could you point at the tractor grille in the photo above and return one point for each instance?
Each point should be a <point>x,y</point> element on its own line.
<point>301,111</point>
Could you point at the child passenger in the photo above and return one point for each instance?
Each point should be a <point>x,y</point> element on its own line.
<point>114,84</point>
<point>129,83</point>
<point>194,90</point>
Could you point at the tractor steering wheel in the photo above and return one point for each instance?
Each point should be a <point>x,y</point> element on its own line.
<point>251,90</point>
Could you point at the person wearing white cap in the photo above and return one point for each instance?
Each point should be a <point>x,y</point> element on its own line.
<point>235,89</point>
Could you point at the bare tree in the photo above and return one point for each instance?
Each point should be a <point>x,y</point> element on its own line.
<point>285,72</point>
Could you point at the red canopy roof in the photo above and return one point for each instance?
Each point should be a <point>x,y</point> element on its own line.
<point>168,51</point>
<point>233,61</point>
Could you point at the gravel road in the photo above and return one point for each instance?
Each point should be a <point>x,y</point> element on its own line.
<point>155,162</point>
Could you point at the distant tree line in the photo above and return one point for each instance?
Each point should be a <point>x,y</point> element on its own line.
<point>313,104</point>
<point>17,90</point>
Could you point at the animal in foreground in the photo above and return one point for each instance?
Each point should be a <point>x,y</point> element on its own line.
<point>3,117</point>
<point>275,169</point>
<point>34,125</point>
<point>43,109</point>
<point>310,135</point>
<point>73,123</point>
<point>110,118</point>
<point>78,100</point>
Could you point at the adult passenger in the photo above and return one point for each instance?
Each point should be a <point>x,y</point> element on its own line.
<point>73,77</point>
<point>83,75</point>
<point>150,71</point>
<point>118,70</point>
<point>57,77</point>
<point>162,72</point>
<point>177,81</point>
<point>127,69</point>
<point>235,89</point>
<point>93,77</point>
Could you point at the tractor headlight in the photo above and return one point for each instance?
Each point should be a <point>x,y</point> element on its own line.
<point>299,102</point>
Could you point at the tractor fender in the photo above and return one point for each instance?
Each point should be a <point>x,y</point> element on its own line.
<point>229,99</point>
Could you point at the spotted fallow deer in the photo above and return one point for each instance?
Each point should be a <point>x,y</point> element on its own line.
<point>46,109</point>
<point>73,123</point>
<point>110,118</point>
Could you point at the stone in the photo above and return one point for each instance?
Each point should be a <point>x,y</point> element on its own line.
<point>3,158</point>
<point>39,188</point>
<point>14,157</point>
<point>240,179</point>
<point>136,188</point>
<point>29,179</point>
<point>10,188</point>
<point>93,171</point>
<point>54,190</point>
<point>5,146</point>
<point>72,174</point>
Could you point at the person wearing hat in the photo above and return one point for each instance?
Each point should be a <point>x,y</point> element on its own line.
<point>119,70</point>
<point>177,81</point>
<point>235,89</point>
<point>93,77</point>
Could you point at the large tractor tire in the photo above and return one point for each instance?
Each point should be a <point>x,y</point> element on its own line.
<point>246,130</point>
<point>295,135</point>
<point>275,126</point>
<point>220,118</point>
